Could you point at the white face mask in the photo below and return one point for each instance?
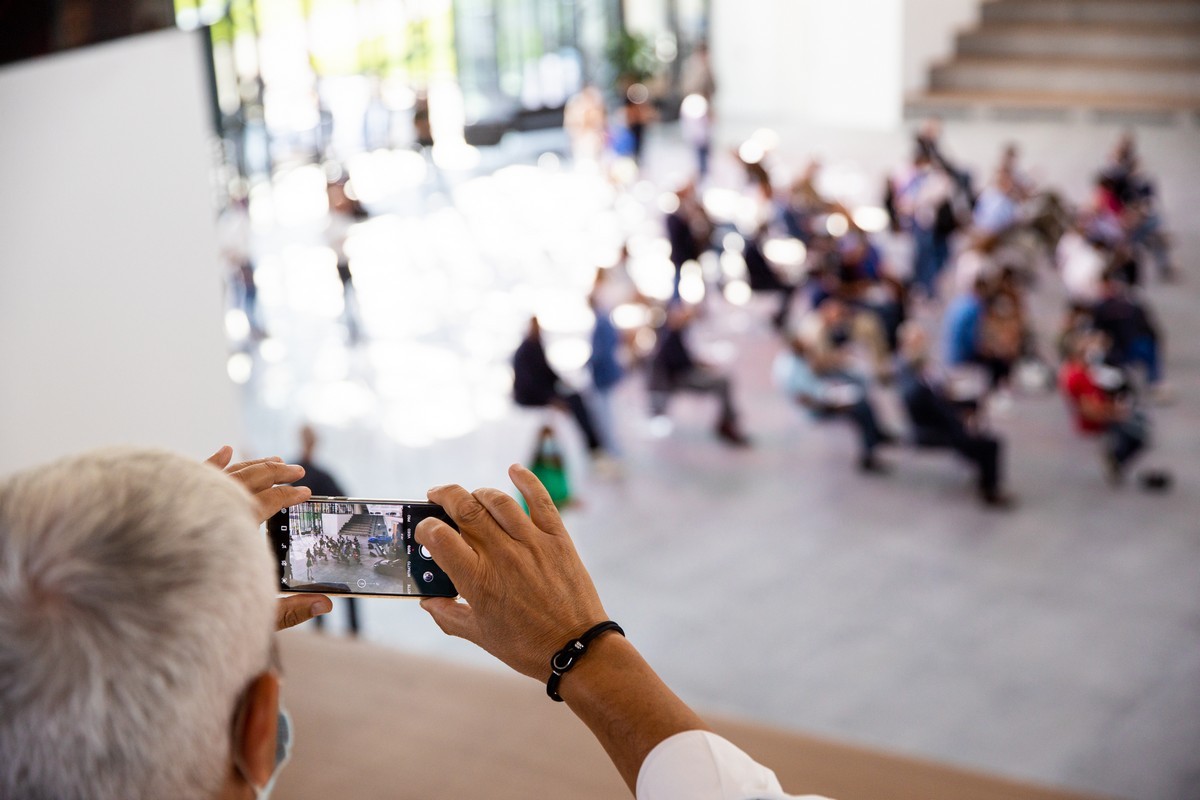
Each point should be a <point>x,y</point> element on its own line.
<point>283,753</point>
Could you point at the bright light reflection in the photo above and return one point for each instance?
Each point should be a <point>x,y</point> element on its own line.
<point>733,264</point>
<point>694,106</point>
<point>872,219</point>
<point>237,326</point>
<point>668,203</point>
<point>239,366</point>
<point>629,316</point>
<point>837,225</point>
<point>785,252</point>
<point>737,292</point>
<point>300,196</point>
<point>752,151</point>
<point>734,242</point>
<point>272,351</point>
<point>569,354</point>
<point>691,283</point>
<point>722,204</point>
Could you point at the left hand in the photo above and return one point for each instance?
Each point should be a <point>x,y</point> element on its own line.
<point>262,478</point>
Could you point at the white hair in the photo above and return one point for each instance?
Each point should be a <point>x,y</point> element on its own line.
<point>136,604</point>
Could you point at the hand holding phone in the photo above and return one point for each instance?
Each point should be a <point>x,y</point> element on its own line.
<point>357,547</point>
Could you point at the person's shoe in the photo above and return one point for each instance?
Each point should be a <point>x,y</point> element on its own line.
<point>887,440</point>
<point>728,432</point>
<point>1113,470</point>
<point>998,501</point>
<point>870,465</point>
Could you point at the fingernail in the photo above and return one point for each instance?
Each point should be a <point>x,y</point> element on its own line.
<point>322,606</point>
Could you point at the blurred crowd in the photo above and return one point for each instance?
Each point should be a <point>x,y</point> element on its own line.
<point>922,303</point>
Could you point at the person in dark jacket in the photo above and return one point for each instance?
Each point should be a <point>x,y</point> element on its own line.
<point>937,422</point>
<point>673,369</point>
<point>537,385</point>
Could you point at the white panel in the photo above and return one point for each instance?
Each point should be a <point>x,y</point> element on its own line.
<point>110,290</point>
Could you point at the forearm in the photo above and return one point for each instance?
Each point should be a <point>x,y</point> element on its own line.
<point>625,704</point>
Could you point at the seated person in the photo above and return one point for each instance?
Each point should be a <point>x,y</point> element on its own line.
<point>673,368</point>
<point>830,398</point>
<point>763,277</point>
<point>537,385</point>
<point>938,422</point>
<point>829,332</point>
<point>156,677</point>
<point>1100,402</point>
<point>1132,335</point>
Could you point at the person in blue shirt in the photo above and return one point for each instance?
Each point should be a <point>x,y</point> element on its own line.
<point>827,398</point>
<point>961,327</point>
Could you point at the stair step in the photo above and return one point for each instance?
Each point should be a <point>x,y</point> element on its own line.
<point>1097,41</point>
<point>1150,77</point>
<point>1143,11</point>
<point>1050,101</point>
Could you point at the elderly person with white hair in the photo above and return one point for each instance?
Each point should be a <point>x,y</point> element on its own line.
<point>138,602</point>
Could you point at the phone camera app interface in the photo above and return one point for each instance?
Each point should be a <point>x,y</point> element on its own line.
<point>362,547</point>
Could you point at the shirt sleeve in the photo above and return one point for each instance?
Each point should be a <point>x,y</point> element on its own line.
<point>698,765</point>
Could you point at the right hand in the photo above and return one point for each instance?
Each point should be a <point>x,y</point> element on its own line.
<point>527,592</point>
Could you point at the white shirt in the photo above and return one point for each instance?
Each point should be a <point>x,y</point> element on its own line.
<point>698,765</point>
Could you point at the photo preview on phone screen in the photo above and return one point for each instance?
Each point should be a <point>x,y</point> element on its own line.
<point>361,547</point>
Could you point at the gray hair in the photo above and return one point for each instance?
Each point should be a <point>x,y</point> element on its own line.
<point>136,604</point>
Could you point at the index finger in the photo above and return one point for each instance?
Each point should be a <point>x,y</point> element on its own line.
<point>265,474</point>
<point>474,521</point>
<point>541,508</point>
<point>244,464</point>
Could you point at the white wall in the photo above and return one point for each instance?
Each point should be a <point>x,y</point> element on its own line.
<point>836,63</point>
<point>110,292</point>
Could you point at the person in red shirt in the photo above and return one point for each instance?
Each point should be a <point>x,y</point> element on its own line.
<point>1099,408</point>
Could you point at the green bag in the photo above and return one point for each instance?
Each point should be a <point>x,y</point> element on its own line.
<point>547,466</point>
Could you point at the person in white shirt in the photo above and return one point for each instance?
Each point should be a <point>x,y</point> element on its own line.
<point>138,600</point>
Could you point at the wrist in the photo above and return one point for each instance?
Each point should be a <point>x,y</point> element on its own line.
<point>607,653</point>
<point>573,652</point>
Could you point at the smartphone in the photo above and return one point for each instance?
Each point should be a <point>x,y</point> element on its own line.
<point>357,547</point>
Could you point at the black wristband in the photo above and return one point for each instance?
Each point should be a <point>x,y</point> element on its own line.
<point>569,656</point>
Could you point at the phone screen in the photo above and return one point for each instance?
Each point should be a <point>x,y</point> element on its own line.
<point>339,545</point>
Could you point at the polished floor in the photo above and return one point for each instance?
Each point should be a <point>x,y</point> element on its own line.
<point>1058,643</point>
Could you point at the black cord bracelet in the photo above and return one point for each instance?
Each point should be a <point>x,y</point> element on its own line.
<point>569,656</point>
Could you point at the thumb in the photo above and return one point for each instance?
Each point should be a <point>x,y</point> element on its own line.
<point>298,608</point>
<point>454,618</point>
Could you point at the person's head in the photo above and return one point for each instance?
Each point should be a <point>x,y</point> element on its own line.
<point>914,343</point>
<point>136,611</point>
<point>833,312</point>
<point>308,442</point>
<point>930,130</point>
<point>535,329</point>
<point>678,316</point>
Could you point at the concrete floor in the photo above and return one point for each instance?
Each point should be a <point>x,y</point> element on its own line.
<point>1059,643</point>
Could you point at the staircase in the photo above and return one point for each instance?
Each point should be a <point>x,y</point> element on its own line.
<point>1061,56</point>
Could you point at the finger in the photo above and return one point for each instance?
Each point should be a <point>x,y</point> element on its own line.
<point>505,510</point>
<point>243,464</point>
<point>268,473</point>
<point>298,608</point>
<point>277,498</point>
<point>541,507</point>
<point>473,519</point>
<point>449,551</point>
<point>454,618</point>
<point>221,458</point>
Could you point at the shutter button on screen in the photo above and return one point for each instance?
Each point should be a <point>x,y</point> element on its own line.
<point>426,554</point>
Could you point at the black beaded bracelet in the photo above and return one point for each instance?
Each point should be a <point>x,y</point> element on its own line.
<point>569,656</point>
